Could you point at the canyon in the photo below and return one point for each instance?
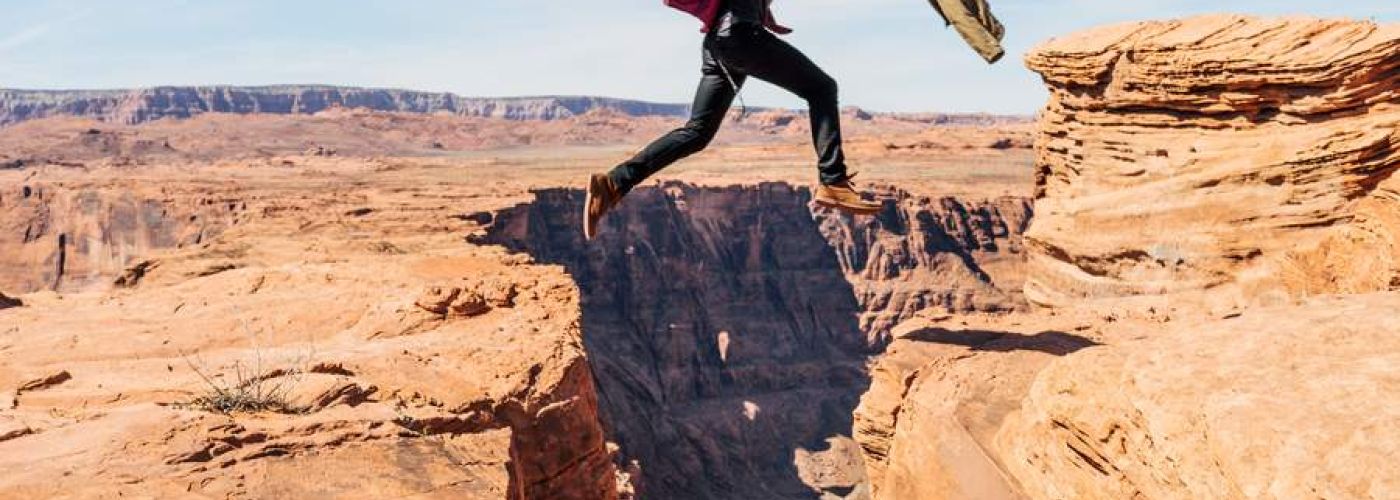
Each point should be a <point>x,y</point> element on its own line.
<point>728,327</point>
<point>1178,283</point>
<point>503,365</point>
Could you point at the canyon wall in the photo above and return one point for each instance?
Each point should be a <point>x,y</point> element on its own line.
<point>57,236</point>
<point>929,253</point>
<point>729,327</point>
<point>1254,157</point>
<point>143,105</point>
<point>1214,253</point>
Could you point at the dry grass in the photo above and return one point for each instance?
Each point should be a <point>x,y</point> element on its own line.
<point>248,389</point>
<point>251,391</point>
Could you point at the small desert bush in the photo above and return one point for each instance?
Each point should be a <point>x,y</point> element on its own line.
<point>248,389</point>
<point>248,392</point>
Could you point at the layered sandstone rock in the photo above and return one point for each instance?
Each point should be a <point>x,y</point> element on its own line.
<point>1185,168</point>
<point>1250,156</point>
<point>491,397</point>
<point>923,253</point>
<point>383,398</point>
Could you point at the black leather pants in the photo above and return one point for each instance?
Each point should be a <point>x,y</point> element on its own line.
<point>732,54</point>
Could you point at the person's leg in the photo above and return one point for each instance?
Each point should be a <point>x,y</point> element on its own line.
<point>712,101</point>
<point>758,53</point>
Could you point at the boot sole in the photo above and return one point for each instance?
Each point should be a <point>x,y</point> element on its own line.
<point>847,209</point>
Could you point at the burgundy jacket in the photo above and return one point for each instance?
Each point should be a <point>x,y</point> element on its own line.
<point>708,10</point>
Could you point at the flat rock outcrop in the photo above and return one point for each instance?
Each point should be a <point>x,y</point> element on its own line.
<point>1251,156</point>
<point>292,356</point>
<point>1280,402</point>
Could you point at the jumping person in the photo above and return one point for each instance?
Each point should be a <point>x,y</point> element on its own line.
<point>739,43</point>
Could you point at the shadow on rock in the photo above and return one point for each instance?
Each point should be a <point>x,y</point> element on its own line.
<point>722,334</point>
<point>1050,342</point>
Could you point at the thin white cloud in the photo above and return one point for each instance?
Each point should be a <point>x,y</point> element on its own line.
<point>40,30</point>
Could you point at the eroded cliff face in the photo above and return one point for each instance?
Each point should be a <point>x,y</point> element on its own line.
<point>925,253</point>
<point>1251,156</point>
<point>729,328</point>
<point>1191,173</point>
<point>69,237</point>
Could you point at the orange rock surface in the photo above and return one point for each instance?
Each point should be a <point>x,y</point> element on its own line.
<point>1210,193</point>
<point>1254,157</point>
<point>489,398</point>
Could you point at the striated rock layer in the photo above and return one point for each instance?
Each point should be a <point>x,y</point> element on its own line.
<point>1184,168</point>
<point>728,327</point>
<point>1251,156</point>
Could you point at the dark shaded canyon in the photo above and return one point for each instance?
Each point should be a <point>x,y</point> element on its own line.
<point>729,328</point>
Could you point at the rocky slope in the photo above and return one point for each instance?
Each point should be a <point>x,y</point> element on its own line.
<point>728,328</point>
<point>1189,173</point>
<point>1251,156</point>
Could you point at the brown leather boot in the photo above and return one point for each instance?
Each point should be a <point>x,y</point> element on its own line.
<point>843,196</point>
<point>603,195</point>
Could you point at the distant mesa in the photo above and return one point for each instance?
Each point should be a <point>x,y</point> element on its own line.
<point>136,106</point>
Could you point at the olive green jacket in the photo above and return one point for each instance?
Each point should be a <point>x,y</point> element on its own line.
<point>974,21</point>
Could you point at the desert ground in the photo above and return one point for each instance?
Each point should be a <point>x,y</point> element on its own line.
<point>1180,280</point>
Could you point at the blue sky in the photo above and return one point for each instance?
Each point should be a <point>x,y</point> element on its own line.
<point>888,54</point>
